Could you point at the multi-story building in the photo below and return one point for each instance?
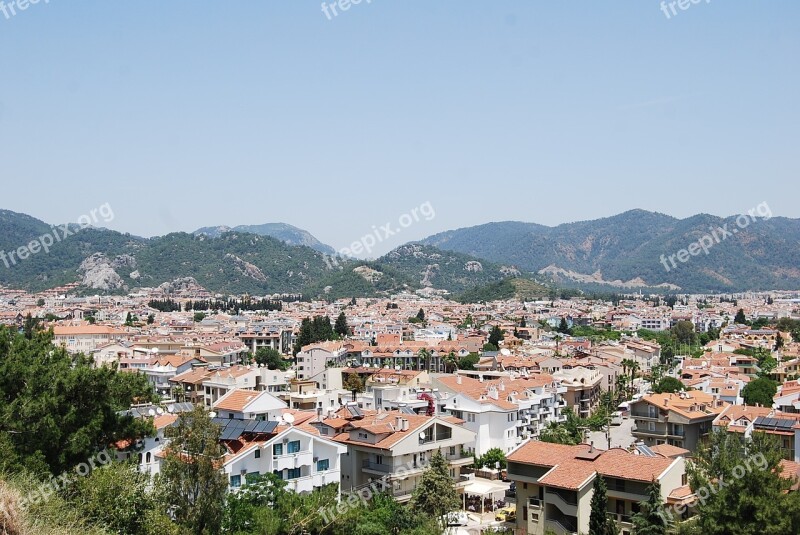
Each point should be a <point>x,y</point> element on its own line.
<point>314,358</point>
<point>296,454</point>
<point>554,484</point>
<point>396,446</point>
<point>249,405</point>
<point>86,338</point>
<point>503,413</point>
<point>681,419</point>
<point>583,388</point>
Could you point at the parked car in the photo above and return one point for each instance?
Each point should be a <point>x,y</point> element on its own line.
<point>616,418</point>
<point>512,490</point>
<point>506,514</point>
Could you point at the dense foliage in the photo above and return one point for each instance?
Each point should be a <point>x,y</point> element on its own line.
<point>58,409</point>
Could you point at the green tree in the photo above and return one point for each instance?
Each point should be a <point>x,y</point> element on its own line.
<point>193,483</point>
<point>128,319</point>
<point>651,518</point>
<point>271,358</point>
<point>199,316</point>
<point>669,384</point>
<point>58,409</point>
<point>684,332</point>
<point>760,392</point>
<point>599,522</point>
<point>151,318</point>
<point>495,336</point>
<point>742,487</point>
<point>263,491</point>
<point>778,341</point>
<point>468,362</point>
<point>567,432</point>
<point>353,383</point>
<point>563,328</point>
<point>421,315</point>
<point>341,328</point>
<point>740,318</point>
<point>450,362</point>
<point>493,457</point>
<point>436,494</point>
<point>118,496</point>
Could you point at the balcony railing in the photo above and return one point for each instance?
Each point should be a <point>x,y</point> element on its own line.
<point>570,498</point>
<point>568,524</point>
<point>622,518</point>
<point>384,468</point>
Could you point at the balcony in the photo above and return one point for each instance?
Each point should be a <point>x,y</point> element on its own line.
<point>563,524</point>
<point>369,466</point>
<point>534,503</point>
<point>621,518</point>
<point>293,460</point>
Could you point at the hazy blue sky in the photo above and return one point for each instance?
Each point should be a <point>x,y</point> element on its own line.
<point>188,113</point>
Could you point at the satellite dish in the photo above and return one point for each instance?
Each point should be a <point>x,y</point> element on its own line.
<point>212,414</point>
<point>159,411</point>
<point>171,408</point>
<point>505,352</point>
<point>151,412</point>
<point>422,436</point>
<point>288,418</point>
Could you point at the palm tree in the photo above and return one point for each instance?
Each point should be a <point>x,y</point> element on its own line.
<point>425,356</point>
<point>634,368</point>
<point>450,363</point>
<point>627,364</point>
<point>557,338</point>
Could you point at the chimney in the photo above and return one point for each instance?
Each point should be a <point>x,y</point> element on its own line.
<point>398,424</point>
<point>458,379</point>
<point>591,446</point>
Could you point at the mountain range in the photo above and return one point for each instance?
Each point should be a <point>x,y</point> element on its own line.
<point>281,231</point>
<point>227,262</point>
<point>633,249</point>
<point>627,252</point>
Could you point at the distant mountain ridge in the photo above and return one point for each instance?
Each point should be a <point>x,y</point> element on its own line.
<point>281,231</point>
<point>234,262</point>
<point>625,251</point>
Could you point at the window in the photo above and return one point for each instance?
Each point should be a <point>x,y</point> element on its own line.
<point>292,473</point>
<point>148,457</point>
<point>452,451</point>
<point>294,446</point>
<point>236,481</point>
<point>323,465</point>
<point>278,473</point>
<point>251,477</point>
<point>258,453</point>
<point>277,449</point>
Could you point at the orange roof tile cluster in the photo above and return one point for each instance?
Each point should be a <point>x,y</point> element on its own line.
<point>236,400</point>
<point>574,466</point>
<point>693,404</point>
